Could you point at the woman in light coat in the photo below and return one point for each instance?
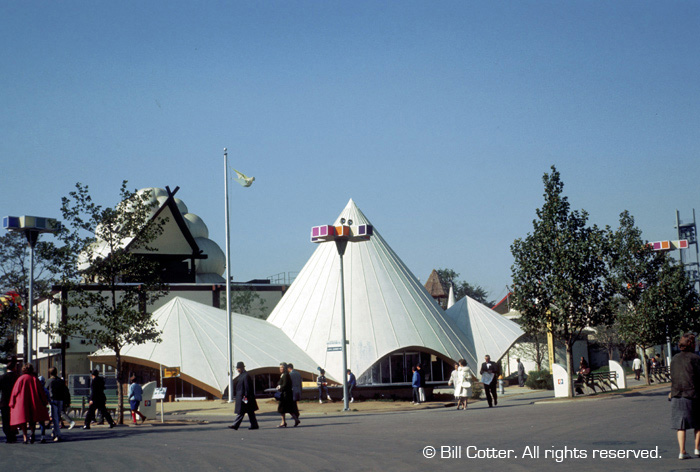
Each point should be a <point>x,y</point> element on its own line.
<point>456,383</point>
<point>465,376</point>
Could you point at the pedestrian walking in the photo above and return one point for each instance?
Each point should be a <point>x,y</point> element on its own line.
<point>415,383</point>
<point>28,403</point>
<point>685,392</point>
<point>489,377</point>
<point>637,367</point>
<point>352,381</point>
<point>245,399</point>
<point>97,401</point>
<point>421,389</point>
<point>295,377</point>
<point>58,395</point>
<point>7,382</point>
<point>135,399</point>
<point>465,376</point>
<point>521,374</point>
<point>455,383</point>
<point>322,384</point>
<point>296,382</point>
<point>286,404</point>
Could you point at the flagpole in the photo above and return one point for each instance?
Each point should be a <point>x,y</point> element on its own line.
<point>229,338</point>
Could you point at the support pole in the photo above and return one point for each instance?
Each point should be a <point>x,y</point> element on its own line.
<point>341,244</point>
<point>32,237</point>
<point>229,336</point>
<point>162,399</point>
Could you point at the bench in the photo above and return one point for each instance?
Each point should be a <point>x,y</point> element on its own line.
<point>660,374</point>
<point>597,380</point>
<point>112,400</point>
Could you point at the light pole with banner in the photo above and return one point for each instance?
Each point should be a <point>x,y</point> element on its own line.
<point>341,235</point>
<point>32,227</point>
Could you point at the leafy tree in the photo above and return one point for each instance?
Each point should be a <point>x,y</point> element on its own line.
<point>10,319</point>
<point>610,338</point>
<point>14,277</point>
<point>461,288</point>
<point>248,302</point>
<point>666,308</point>
<point>559,274</point>
<point>109,247</point>
<point>532,346</point>
<point>655,291</point>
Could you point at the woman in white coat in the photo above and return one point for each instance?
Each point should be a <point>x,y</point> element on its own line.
<point>464,376</point>
<point>455,382</point>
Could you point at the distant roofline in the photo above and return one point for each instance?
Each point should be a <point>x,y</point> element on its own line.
<point>503,300</point>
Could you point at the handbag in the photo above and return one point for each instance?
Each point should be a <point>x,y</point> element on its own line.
<point>278,395</point>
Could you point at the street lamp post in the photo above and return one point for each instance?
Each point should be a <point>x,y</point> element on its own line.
<point>341,235</point>
<point>31,226</point>
<point>229,336</point>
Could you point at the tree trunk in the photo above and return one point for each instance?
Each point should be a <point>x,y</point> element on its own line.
<point>120,390</point>
<point>570,368</point>
<point>645,367</point>
<point>539,355</point>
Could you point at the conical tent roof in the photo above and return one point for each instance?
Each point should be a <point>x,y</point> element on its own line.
<point>194,339</point>
<point>386,306</point>
<point>451,297</point>
<point>434,285</point>
<point>487,331</point>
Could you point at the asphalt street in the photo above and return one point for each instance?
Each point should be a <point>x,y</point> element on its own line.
<point>520,434</point>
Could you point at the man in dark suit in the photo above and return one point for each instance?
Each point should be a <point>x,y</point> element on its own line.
<point>98,401</point>
<point>493,370</point>
<point>245,399</point>
<point>7,381</point>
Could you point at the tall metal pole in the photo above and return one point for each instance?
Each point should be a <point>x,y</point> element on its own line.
<point>229,337</point>
<point>341,244</point>
<point>31,238</point>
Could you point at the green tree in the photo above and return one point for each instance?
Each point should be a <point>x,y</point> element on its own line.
<point>10,320</point>
<point>635,266</point>
<point>14,277</point>
<point>533,346</point>
<point>461,288</point>
<point>667,307</point>
<point>559,274</point>
<point>659,299</point>
<point>109,247</point>
<point>610,338</point>
<point>248,302</point>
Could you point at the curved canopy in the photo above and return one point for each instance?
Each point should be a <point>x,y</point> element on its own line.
<point>488,332</point>
<point>194,339</point>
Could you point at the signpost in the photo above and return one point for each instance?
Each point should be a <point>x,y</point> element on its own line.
<point>341,235</point>
<point>171,372</point>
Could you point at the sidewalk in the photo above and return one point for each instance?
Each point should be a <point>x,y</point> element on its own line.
<point>214,410</point>
<point>207,410</point>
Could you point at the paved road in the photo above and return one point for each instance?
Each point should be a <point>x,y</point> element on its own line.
<point>395,441</point>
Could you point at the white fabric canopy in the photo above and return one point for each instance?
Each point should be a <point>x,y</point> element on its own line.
<point>194,339</point>
<point>387,308</point>
<point>487,332</point>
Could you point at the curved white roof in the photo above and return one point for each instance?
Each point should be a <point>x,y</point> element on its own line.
<point>194,339</point>
<point>387,308</point>
<point>488,332</point>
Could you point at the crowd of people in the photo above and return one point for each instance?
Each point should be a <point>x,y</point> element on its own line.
<point>28,400</point>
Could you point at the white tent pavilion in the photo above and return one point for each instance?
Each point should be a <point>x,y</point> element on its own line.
<point>194,339</point>
<point>387,308</point>
<point>488,332</point>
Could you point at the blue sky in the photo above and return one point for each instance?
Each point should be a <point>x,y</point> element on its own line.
<point>437,118</point>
